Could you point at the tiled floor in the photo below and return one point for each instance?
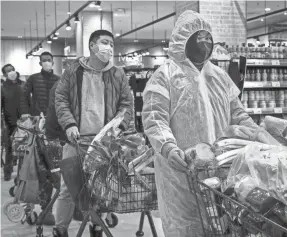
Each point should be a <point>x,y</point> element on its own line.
<point>127,227</point>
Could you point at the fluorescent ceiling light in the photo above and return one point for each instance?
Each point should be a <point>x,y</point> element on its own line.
<point>68,27</point>
<point>267,9</point>
<point>57,33</point>
<point>49,41</point>
<point>118,34</point>
<point>261,19</point>
<point>20,37</point>
<point>136,40</point>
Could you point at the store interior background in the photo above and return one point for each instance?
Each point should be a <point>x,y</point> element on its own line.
<point>234,22</point>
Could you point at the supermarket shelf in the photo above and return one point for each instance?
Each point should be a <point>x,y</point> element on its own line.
<point>267,85</point>
<point>266,111</point>
<point>266,62</point>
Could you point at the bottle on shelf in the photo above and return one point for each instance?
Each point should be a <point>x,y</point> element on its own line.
<point>252,75</point>
<point>280,52</point>
<point>264,75</point>
<point>285,75</point>
<point>280,75</point>
<point>258,52</point>
<point>258,75</point>
<point>262,95</point>
<point>247,77</point>
<point>262,104</point>
<point>251,95</point>
<point>271,104</point>
<point>269,52</point>
<point>276,52</point>
<point>273,75</point>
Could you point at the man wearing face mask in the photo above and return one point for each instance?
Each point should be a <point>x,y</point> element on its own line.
<point>89,95</point>
<point>39,85</point>
<point>10,108</point>
<point>187,101</point>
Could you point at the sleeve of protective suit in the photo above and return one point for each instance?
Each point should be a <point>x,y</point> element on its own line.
<point>156,111</point>
<point>239,115</point>
<point>62,102</point>
<point>125,101</point>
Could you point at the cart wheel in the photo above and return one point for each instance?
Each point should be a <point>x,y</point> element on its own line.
<point>11,191</point>
<point>113,222</point>
<point>6,206</point>
<point>140,233</point>
<point>15,213</point>
<point>32,218</point>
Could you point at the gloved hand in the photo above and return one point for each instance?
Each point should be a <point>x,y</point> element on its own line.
<point>175,156</point>
<point>24,116</point>
<point>240,131</point>
<point>73,134</point>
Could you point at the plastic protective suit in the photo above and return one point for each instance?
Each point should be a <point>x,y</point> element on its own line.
<point>186,106</point>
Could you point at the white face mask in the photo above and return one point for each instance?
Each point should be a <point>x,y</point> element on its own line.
<point>47,66</point>
<point>12,75</point>
<point>104,53</point>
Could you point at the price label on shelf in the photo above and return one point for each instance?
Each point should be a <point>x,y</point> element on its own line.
<point>257,111</point>
<point>259,62</point>
<point>275,62</point>
<point>259,84</point>
<point>278,110</point>
<point>275,84</point>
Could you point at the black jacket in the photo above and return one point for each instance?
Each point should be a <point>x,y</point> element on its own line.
<point>39,85</point>
<point>10,100</point>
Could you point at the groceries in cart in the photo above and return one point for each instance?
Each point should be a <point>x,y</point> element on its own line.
<point>243,185</point>
<point>35,154</point>
<point>120,168</point>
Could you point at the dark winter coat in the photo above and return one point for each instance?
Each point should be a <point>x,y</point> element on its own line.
<point>10,100</point>
<point>39,85</point>
<point>68,96</point>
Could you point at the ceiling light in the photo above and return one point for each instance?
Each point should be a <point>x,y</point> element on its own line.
<point>69,13</point>
<point>135,53</point>
<point>136,40</point>
<point>258,41</point>
<point>261,19</point>
<point>77,20</point>
<point>68,27</point>
<point>49,41</point>
<point>100,9</point>
<point>34,52</point>
<point>20,37</point>
<point>40,47</point>
<point>30,56</point>
<point>163,41</point>
<point>57,33</point>
<point>115,14</point>
<point>55,37</point>
<point>118,34</point>
<point>147,53</point>
<point>267,9</point>
<point>285,13</point>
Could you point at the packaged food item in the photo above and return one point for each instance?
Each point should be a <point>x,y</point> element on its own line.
<point>269,52</point>
<point>264,75</point>
<point>251,95</point>
<point>261,95</point>
<point>273,52</point>
<point>271,104</point>
<point>280,75</point>
<point>285,75</point>
<point>258,75</point>
<point>280,52</point>
<point>257,95</point>
<point>247,76</point>
<point>281,95</point>
<point>276,52</point>
<point>262,104</point>
<point>245,96</point>
<point>273,75</point>
<point>272,95</point>
<point>258,52</point>
<point>267,95</point>
<point>253,104</point>
<point>280,103</point>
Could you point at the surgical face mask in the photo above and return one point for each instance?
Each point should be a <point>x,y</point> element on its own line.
<point>12,75</point>
<point>198,52</point>
<point>104,52</point>
<point>47,66</point>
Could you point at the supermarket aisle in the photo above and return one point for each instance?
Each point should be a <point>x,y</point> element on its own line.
<point>127,227</point>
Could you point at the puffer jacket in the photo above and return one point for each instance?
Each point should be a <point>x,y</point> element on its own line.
<point>39,85</point>
<point>68,96</point>
<point>10,100</point>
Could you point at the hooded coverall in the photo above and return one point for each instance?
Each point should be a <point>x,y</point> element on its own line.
<point>185,106</point>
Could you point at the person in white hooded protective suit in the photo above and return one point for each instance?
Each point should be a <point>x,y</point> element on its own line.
<point>188,100</point>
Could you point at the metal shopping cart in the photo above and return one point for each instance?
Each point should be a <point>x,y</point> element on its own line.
<point>49,152</point>
<point>116,190</point>
<point>223,215</point>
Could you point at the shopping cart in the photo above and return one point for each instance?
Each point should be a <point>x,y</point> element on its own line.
<point>49,152</point>
<point>223,215</point>
<point>121,192</point>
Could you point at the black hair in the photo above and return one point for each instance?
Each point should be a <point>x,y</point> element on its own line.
<point>46,53</point>
<point>96,35</point>
<point>7,65</point>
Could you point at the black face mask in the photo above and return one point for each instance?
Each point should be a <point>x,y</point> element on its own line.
<point>198,52</point>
